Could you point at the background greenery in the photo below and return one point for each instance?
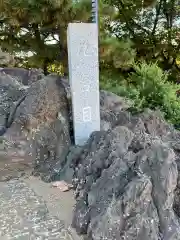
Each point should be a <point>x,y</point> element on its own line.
<point>139,44</point>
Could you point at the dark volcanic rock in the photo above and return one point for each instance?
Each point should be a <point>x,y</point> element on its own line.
<point>40,131</point>
<point>158,163</point>
<point>126,177</point>
<point>125,180</point>
<point>128,216</point>
<point>10,92</point>
<point>24,76</point>
<point>111,101</point>
<point>99,153</point>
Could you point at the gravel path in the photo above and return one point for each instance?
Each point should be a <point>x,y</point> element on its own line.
<point>26,215</point>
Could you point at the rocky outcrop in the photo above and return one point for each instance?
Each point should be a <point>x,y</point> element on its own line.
<point>126,177</point>
<point>39,134</point>
<point>24,76</point>
<point>125,181</point>
<point>6,59</point>
<point>10,92</point>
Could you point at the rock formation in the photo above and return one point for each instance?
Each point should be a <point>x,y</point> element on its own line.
<point>126,181</point>
<point>126,177</point>
<point>10,92</point>
<point>39,133</point>
<point>24,76</point>
<point>6,59</point>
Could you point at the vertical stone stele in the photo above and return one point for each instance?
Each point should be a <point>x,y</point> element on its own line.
<point>83,60</point>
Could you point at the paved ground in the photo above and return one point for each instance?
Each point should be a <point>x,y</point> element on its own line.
<point>31,209</point>
<point>25,215</point>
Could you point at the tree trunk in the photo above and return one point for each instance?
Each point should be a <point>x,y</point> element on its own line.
<point>45,67</point>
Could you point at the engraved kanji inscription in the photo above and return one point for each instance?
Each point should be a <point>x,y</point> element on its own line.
<point>87,114</point>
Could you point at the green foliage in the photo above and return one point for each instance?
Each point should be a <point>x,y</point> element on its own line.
<point>56,68</point>
<point>130,30</point>
<point>39,27</point>
<point>118,54</point>
<point>155,90</point>
<point>148,88</point>
<point>153,27</point>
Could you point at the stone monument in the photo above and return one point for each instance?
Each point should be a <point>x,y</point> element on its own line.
<point>84,79</point>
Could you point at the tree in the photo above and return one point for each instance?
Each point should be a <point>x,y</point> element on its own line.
<point>152,26</point>
<point>130,30</point>
<point>29,26</point>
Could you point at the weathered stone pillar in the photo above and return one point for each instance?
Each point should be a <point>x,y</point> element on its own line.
<point>84,79</point>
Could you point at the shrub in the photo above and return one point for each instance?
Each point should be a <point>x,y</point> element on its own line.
<point>148,87</point>
<point>55,68</point>
<point>157,92</point>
